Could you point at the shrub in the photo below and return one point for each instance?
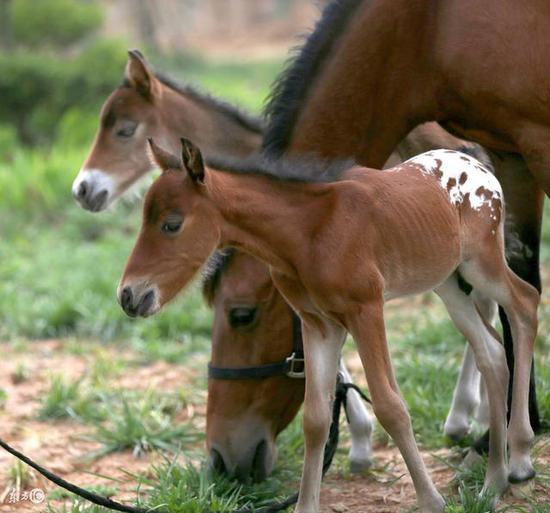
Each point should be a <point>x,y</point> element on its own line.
<point>55,23</point>
<point>37,90</point>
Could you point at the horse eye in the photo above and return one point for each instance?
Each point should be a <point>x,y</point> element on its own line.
<point>127,130</point>
<point>171,227</point>
<point>241,316</point>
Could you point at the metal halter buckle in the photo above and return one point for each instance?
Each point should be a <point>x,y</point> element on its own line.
<point>294,362</point>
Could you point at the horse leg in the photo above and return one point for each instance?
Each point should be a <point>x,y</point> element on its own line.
<point>524,201</point>
<point>487,309</point>
<point>490,274</point>
<point>368,330</point>
<point>360,426</point>
<point>469,397</point>
<point>482,417</point>
<point>323,342</point>
<point>491,361</point>
<point>465,398</point>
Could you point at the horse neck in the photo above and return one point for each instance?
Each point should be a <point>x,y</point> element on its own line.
<point>261,216</point>
<point>203,121</point>
<point>390,92</point>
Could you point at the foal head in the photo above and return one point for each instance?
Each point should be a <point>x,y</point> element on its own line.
<point>118,157</point>
<point>178,233</point>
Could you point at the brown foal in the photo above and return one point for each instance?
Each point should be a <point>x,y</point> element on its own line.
<point>341,241</point>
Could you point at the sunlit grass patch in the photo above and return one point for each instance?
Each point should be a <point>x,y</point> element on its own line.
<point>70,399</point>
<point>193,488</point>
<point>143,423</point>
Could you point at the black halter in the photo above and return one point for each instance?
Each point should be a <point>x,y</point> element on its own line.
<point>292,366</point>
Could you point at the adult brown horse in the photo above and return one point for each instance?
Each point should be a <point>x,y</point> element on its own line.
<point>480,68</point>
<point>334,237</point>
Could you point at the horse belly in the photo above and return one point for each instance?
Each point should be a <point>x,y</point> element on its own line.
<point>423,250</point>
<point>403,278</point>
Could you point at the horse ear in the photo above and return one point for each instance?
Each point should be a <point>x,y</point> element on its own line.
<point>162,158</point>
<point>192,160</point>
<point>139,74</point>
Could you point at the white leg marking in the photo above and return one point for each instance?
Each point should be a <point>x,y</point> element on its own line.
<point>321,357</point>
<point>465,398</point>
<point>360,426</point>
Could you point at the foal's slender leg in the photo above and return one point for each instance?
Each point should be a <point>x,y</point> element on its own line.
<point>483,416</point>
<point>487,309</point>
<point>323,342</point>
<point>469,396</point>
<point>519,301</point>
<point>360,426</point>
<point>368,330</point>
<point>491,361</point>
<point>465,398</point>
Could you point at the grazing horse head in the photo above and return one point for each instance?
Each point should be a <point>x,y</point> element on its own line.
<point>149,104</point>
<point>253,326</point>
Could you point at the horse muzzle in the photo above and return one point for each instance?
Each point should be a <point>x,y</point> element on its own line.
<point>92,190</point>
<point>138,303</point>
<point>254,465</point>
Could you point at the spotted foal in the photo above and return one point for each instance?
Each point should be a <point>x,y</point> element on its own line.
<point>341,241</point>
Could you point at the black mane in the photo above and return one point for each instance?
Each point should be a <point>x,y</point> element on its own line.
<point>252,123</point>
<point>213,271</point>
<point>296,169</point>
<point>289,90</point>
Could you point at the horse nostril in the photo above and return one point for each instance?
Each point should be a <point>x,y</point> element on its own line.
<point>259,464</point>
<point>216,462</point>
<point>82,190</point>
<point>146,303</point>
<point>126,298</point>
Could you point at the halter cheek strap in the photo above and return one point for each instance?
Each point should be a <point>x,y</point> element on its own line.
<point>292,366</point>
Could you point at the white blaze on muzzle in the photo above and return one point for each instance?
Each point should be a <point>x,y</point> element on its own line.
<point>94,189</point>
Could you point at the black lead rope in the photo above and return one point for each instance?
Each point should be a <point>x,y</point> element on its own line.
<point>99,500</point>
<point>340,399</point>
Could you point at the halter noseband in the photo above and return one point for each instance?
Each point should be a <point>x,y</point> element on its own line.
<point>292,366</point>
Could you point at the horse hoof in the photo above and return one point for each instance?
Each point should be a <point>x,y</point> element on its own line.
<point>518,477</point>
<point>359,466</point>
<point>457,433</point>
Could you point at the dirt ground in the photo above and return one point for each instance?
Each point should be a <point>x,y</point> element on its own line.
<point>61,447</point>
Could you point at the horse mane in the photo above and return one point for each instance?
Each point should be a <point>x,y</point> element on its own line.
<point>296,169</point>
<point>213,271</point>
<point>253,123</point>
<point>290,88</point>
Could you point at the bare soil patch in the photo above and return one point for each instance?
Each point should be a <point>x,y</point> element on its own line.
<point>60,445</point>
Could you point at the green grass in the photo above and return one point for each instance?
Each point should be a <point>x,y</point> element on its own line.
<point>70,399</point>
<point>143,423</point>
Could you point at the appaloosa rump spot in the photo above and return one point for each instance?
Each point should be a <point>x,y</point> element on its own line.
<point>462,176</point>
